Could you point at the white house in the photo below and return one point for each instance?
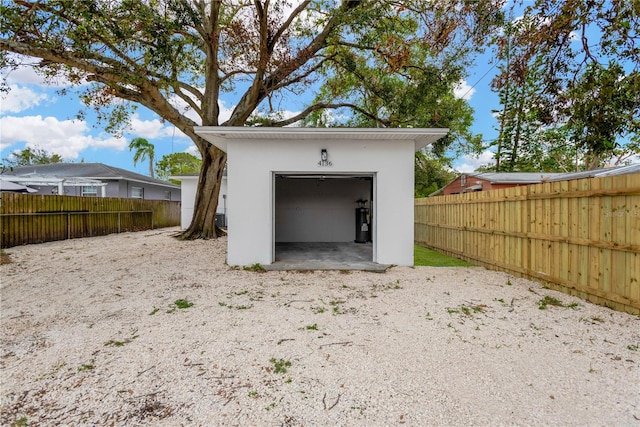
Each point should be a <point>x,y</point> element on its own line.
<point>305,184</point>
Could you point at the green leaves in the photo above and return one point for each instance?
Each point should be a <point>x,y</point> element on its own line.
<point>177,164</point>
<point>568,68</point>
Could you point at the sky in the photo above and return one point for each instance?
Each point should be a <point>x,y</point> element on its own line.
<point>34,114</point>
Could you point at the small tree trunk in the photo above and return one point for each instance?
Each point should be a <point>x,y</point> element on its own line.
<point>203,224</point>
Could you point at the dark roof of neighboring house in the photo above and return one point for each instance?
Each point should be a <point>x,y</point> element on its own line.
<point>596,173</point>
<point>85,170</point>
<point>514,177</point>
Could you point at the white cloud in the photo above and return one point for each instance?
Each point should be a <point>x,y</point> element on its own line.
<point>27,75</point>
<point>64,137</point>
<point>149,128</point>
<point>463,90</point>
<point>469,163</point>
<point>19,99</point>
<point>193,150</point>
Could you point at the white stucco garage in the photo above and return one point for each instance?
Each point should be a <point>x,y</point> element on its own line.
<point>305,184</point>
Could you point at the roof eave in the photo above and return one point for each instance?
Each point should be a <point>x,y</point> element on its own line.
<point>220,135</point>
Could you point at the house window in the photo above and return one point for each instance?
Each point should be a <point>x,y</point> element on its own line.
<point>167,195</point>
<point>463,180</point>
<point>89,191</point>
<point>137,193</point>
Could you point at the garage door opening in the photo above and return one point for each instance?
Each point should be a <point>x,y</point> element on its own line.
<point>324,221</point>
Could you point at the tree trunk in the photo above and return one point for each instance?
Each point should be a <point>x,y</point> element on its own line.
<point>203,223</point>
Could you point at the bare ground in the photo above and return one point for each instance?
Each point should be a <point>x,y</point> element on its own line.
<point>93,333</point>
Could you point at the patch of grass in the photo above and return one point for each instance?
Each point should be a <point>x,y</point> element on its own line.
<point>313,327</point>
<point>154,311</point>
<point>115,343</point>
<point>237,307</point>
<point>255,267</point>
<point>429,258</point>
<point>253,394</point>
<point>468,310</point>
<point>280,365</point>
<point>4,259</point>
<point>547,301</point>
<point>86,367</point>
<point>23,421</point>
<point>318,310</point>
<point>183,303</point>
<point>633,347</point>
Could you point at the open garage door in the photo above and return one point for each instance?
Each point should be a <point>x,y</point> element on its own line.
<point>318,212</point>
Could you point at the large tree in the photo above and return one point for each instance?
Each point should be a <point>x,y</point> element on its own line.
<point>178,57</point>
<point>571,70</point>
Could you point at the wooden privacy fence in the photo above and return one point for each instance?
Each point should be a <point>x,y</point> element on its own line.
<point>581,237</point>
<point>35,218</point>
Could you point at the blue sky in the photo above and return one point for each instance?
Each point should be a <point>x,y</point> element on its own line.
<point>34,114</point>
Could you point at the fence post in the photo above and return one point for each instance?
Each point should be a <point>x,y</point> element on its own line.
<point>68,225</point>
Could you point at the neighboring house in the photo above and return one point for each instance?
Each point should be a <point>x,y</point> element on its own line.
<point>91,180</point>
<point>491,181</point>
<point>189,186</point>
<point>494,180</point>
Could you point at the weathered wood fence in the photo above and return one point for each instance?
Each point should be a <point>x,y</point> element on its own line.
<point>581,237</point>
<point>36,218</point>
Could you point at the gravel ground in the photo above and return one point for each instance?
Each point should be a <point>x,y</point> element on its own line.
<point>99,331</point>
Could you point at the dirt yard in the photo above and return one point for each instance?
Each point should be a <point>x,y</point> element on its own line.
<point>144,329</point>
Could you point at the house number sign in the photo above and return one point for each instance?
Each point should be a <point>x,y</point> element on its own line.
<point>324,158</point>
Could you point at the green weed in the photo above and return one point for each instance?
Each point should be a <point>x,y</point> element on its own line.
<point>547,301</point>
<point>86,367</point>
<point>255,268</point>
<point>183,303</point>
<point>280,365</point>
<point>313,327</point>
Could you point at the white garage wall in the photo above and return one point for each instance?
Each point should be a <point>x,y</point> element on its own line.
<point>252,165</point>
<point>318,210</point>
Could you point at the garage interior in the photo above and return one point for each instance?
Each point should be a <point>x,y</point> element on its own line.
<point>324,222</point>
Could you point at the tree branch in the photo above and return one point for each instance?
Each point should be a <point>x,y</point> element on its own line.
<point>325,106</point>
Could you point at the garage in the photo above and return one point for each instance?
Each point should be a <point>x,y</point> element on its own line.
<point>347,192</point>
<point>326,218</point>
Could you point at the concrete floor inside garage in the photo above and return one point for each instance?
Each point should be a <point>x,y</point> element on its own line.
<point>325,256</point>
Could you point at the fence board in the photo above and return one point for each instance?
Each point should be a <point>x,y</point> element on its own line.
<point>28,218</point>
<point>582,236</point>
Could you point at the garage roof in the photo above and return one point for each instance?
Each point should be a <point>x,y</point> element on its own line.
<point>220,135</point>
